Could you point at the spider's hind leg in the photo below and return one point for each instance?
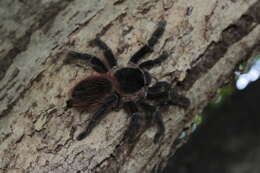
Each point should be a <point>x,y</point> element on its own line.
<point>68,104</point>
<point>106,50</point>
<point>92,60</point>
<point>148,48</point>
<point>109,102</point>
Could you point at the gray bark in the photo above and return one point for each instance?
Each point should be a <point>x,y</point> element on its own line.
<point>208,39</point>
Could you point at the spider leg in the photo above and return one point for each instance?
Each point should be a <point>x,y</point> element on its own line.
<point>159,90</point>
<point>151,63</point>
<point>179,100</point>
<point>135,124</point>
<point>106,50</point>
<point>148,48</point>
<point>156,116</point>
<point>109,102</point>
<point>95,62</point>
<point>68,104</point>
<point>165,95</point>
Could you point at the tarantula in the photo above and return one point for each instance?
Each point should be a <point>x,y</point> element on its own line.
<point>114,87</point>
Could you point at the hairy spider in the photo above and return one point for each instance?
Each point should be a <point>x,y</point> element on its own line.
<point>129,87</point>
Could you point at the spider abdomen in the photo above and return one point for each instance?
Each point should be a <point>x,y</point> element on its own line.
<point>91,91</point>
<point>130,80</point>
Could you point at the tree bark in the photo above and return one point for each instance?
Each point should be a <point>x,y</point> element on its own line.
<point>207,39</point>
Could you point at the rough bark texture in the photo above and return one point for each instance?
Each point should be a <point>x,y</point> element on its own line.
<point>207,40</point>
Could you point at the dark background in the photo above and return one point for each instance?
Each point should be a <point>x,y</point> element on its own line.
<point>227,141</point>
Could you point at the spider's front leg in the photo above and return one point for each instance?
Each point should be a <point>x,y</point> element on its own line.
<point>148,48</point>
<point>109,102</point>
<point>154,115</point>
<point>178,100</point>
<point>135,122</point>
<point>151,63</point>
<point>164,94</point>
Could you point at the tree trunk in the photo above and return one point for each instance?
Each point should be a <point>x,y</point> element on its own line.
<point>208,39</point>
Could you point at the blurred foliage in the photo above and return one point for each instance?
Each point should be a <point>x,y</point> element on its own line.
<point>198,119</point>
<point>257,57</point>
<point>222,94</point>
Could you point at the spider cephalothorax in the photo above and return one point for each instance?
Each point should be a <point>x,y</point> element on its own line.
<point>128,87</point>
